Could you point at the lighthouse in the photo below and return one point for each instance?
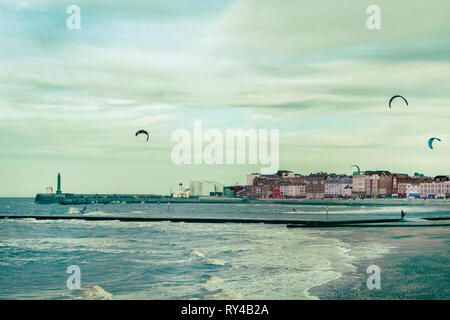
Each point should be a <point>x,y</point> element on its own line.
<point>58,190</point>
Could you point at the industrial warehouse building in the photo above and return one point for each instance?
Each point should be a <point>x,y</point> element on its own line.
<point>206,188</point>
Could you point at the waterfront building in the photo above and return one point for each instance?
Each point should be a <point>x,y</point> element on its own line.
<point>315,186</point>
<point>398,178</point>
<point>195,188</point>
<point>284,191</point>
<point>251,177</point>
<point>347,191</point>
<point>378,183</point>
<point>296,191</point>
<point>256,192</point>
<point>267,191</point>
<point>441,178</point>
<point>49,190</point>
<point>373,184</point>
<point>276,192</point>
<point>180,193</point>
<point>285,174</point>
<point>359,185</point>
<point>334,185</point>
<point>434,189</point>
<point>243,191</point>
<point>218,189</point>
<point>384,184</point>
<point>263,185</point>
<point>206,188</point>
<point>230,191</point>
<point>411,190</point>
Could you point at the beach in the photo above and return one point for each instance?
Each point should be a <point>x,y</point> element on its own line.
<point>416,267</point>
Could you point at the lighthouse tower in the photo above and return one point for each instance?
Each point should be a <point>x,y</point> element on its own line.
<point>58,190</point>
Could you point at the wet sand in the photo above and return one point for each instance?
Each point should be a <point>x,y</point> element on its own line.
<point>417,266</point>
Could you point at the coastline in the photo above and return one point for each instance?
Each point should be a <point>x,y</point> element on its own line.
<point>417,267</point>
<point>74,199</point>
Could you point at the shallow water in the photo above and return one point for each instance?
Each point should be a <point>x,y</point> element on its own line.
<point>165,260</point>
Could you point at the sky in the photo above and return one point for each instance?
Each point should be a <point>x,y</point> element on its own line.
<point>71,100</point>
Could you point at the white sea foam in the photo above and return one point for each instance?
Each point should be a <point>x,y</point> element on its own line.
<point>73,210</point>
<point>281,263</point>
<point>197,253</point>
<point>33,220</point>
<point>97,213</point>
<point>91,292</point>
<point>344,210</point>
<point>225,294</point>
<point>215,262</point>
<point>206,260</point>
<point>213,281</point>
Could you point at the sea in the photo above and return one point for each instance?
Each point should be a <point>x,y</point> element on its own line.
<point>168,260</point>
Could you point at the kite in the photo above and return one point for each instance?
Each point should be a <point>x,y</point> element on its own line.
<point>430,142</point>
<point>142,132</point>
<point>395,97</point>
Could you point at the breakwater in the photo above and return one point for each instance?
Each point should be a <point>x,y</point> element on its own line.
<point>74,199</point>
<point>425,222</point>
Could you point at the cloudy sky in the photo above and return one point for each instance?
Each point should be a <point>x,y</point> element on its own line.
<point>71,100</point>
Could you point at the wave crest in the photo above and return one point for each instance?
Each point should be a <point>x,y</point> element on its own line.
<point>92,292</point>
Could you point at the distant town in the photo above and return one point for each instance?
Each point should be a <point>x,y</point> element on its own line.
<point>362,184</point>
<point>283,185</point>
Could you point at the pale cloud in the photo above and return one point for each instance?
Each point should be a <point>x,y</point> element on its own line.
<point>312,70</point>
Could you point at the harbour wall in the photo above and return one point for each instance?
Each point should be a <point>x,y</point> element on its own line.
<point>74,199</point>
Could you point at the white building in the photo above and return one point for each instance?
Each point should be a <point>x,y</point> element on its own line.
<point>410,189</point>
<point>435,189</point>
<point>334,185</point>
<point>205,188</point>
<point>251,177</point>
<point>180,193</point>
<point>195,188</point>
<point>218,188</point>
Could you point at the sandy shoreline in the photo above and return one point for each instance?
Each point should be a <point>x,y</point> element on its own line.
<point>418,267</point>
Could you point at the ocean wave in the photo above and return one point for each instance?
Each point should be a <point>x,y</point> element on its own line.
<point>197,253</point>
<point>213,281</point>
<point>224,294</point>
<point>33,220</point>
<point>214,262</point>
<point>205,260</point>
<point>97,213</point>
<point>91,292</point>
<point>73,210</point>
